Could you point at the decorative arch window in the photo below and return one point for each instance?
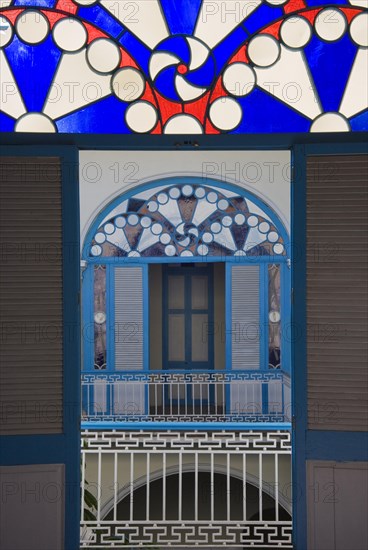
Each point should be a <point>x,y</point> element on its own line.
<point>180,67</point>
<point>189,277</point>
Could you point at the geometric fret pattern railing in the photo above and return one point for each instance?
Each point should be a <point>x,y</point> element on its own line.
<point>187,489</point>
<point>189,396</point>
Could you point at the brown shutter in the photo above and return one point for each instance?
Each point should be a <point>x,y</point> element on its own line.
<point>31,324</point>
<point>337,289</point>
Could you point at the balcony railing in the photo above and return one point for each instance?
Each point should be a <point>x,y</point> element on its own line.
<point>186,489</point>
<point>186,396</point>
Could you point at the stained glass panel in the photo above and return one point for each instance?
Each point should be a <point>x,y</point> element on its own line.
<point>274,316</point>
<point>183,66</point>
<point>100,317</point>
<point>187,221</point>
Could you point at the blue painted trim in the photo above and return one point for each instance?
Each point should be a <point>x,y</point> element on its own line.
<point>146,331</point>
<point>87,317</point>
<point>250,260</point>
<point>263,316</point>
<point>228,332</point>
<point>182,181</point>
<point>185,426</point>
<point>110,318</point>
<point>299,370</point>
<point>335,445</point>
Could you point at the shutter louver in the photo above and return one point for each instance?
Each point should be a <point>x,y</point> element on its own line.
<point>129,318</point>
<point>245,318</point>
<point>337,292</point>
<point>31,351</point>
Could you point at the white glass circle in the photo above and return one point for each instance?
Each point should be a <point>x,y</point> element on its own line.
<point>202,250</point>
<point>240,253</point>
<point>212,197</point>
<point>295,32</point>
<point>133,219</point>
<point>96,250</point>
<point>128,84</point>
<point>330,24</point>
<point>141,117</point>
<point>134,254</point>
<point>6,31</point>
<point>225,113</point>
<point>100,238</point>
<point>330,122</point>
<point>186,253</point>
<point>359,29</point>
<point>35,122</point>
<point>274,316</point>
<point>187,190</point>
<point>207,237</point>
<point>227,221</point>
<point>120,221</point>
<point>276,2</point>
<point>252,221</point>
<point>109,228</point>
<point>278,248</point>
<point>272,236</point>
<point>170,250</point>
<point>263,50</point>
<point>200,192</point>
<point>216,227</point>
<point>264,227</point>
<point>162,198</point>
<point>156,228</point>
<point>239,219</point>
<point>174,193</point>
<point>70,34</point>
<point>183,124</point>
<point>103,55</point>
<point>239,79</point>
<point>32,26</point>
<point>146,221</point>
<point>152,206</point>
<point>223,204</point>
<point>165,238</point>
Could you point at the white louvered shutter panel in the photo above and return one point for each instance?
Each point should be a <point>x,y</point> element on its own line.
<point>31,350</point>
<point>337,291</point>
<point>245,317</point>
<point>129,318</point>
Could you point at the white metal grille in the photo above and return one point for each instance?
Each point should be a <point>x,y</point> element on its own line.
<point>232,489</point>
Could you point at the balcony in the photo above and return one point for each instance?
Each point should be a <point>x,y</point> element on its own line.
<point>192,397</point>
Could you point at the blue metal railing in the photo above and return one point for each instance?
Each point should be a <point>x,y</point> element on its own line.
<point>200,396</point>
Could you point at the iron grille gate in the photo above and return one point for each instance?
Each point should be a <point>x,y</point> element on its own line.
<point>177,489</point>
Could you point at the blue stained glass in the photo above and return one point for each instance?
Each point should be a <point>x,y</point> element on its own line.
<point>203,76</point>
<point>330,78</point>
<point>140,53</point>
<point>262,16</point>
<point>36,3</point>
<point>181,15</point>
<point>6,123</point>
<point>312,3</point>
<point>260,110</point>
<point>165,83</point>
<point>228,47</point>
<point>360,122</point>
<point>176,45</point>
<point>102,19</point>
<point>33,68</point>
<point>105,116</point>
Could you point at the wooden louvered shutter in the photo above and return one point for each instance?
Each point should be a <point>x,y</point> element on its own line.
<point>31,351</point>
<point>337,292</point>
<point>129,318</point>
<point>245,316</point>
